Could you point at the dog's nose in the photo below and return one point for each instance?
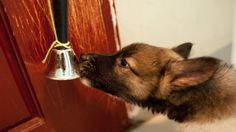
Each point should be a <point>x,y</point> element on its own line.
<point>86,57</point>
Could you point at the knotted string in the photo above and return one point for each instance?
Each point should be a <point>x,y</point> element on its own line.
<point>56,43</point>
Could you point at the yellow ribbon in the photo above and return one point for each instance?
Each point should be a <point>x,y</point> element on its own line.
<point>56,43</point>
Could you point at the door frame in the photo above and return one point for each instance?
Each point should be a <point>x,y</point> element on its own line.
<point>18,70</point>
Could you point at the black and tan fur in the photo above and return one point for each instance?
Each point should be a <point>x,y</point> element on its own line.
<point>165,81</point>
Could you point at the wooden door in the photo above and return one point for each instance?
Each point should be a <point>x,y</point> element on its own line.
<point>27,98</point>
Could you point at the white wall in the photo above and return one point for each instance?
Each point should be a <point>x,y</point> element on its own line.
<point>233,59</point>
<point>166,23</point>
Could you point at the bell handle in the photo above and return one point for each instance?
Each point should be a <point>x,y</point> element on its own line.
<point>60,9</point>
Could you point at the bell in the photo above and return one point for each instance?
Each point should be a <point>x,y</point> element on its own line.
<point>62,65</point>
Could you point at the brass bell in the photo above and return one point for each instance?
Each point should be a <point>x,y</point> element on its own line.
<point>62,65</point>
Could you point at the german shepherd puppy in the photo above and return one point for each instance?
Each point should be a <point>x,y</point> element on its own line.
<point>199,93</point>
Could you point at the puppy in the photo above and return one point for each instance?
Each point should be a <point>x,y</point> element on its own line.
<point>199,93</point>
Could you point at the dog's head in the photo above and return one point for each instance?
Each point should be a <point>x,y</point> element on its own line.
<point>139,71</point>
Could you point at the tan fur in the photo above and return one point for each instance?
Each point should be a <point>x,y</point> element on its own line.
<point>197,92</point>
<point>147,61</point>
<point>225,93</point>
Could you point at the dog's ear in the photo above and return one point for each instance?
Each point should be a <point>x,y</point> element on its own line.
<point>183,49</point>
<point>191,72</point>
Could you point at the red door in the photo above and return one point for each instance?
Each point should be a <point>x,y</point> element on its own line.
<point>28,100</point>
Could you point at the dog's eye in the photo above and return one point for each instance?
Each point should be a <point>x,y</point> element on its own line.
<point>124,63</point>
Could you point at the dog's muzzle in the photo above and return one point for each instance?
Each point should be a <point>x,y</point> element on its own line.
<point>87,57</point>
<point>86,64</point>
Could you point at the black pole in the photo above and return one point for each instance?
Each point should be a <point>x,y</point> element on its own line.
<point>60,18</point>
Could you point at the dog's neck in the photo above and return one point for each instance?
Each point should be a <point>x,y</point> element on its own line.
<point>211,100</point>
